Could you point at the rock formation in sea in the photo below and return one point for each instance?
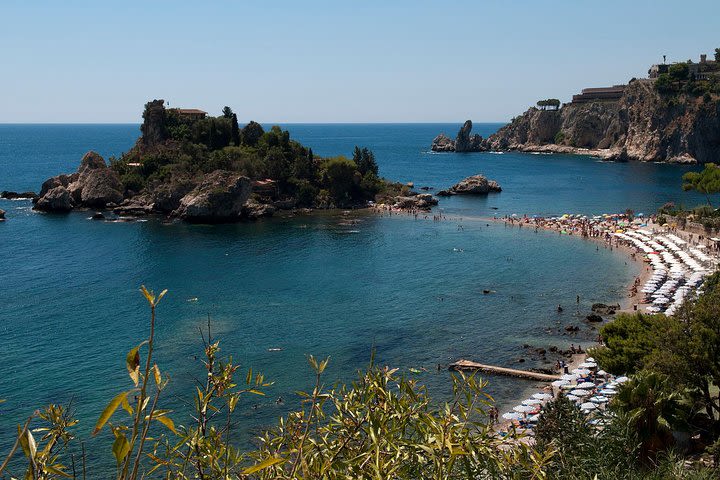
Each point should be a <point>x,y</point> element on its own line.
<point>219,197</point>
<point>639,124</point>
<point>94,185</point>
<point>464,141</point>
<point>8,195</point>
<point>474,185</point>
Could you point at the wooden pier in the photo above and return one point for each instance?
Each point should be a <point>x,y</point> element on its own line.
<point>465,365</point>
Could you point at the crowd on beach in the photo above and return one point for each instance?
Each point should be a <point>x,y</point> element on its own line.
<point>677,266</point>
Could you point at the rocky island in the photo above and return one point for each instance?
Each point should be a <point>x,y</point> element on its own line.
<point>672,116</point>
<point>474,185</point>
<point>207,169</point>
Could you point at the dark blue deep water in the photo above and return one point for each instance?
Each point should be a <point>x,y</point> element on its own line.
<point>70,307</point>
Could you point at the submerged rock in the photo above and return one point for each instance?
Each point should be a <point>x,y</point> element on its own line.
<point>474,185</point>
<point>2,214</point>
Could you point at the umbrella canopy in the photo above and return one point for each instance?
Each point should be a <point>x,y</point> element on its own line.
<point>560,383</point>
<point>572,398</point>
<point>601,373</point>
<point>580,393</point>
<point>622,379</point>
<point>599,399</point>
<point>542,396</point>
<point>588,406</point>
<point>608,391</point>
<point>533,418</point>
<point>532,401</point>
<point>588,365</point>
<point>524,408</point>
<point>585,385</point>
<point>581,371</point>
<point>512,416</point>
<point>569,376</point>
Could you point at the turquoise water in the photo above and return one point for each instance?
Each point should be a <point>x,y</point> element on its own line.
<point>70,309</point>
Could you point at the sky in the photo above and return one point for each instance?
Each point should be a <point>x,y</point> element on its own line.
<point>331,61</point>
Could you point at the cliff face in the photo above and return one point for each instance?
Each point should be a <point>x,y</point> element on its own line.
<point>642,125</point>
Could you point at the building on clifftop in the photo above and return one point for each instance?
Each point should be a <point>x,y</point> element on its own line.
<point>190,113</point>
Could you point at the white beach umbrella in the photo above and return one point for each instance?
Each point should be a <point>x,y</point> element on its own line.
<point>585,385</point>
<point>542,396</point>
<point>588,406</point>
<point>622,379</point>
<point>569,376</point>
<point>573,398</point>
<point>524,408</point>
<point>512,416</point>
<point>588,365</point>
<point>532,401</point>
<point>608,391</point>
<point>560,383</point>
<point>533,418</point>
<point>581,371</point>
<point>601,373</point>
<point>599,399</point>
<point>580,393</point>
<point>590,359</point>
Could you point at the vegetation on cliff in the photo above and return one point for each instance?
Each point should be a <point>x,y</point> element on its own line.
<point>174,148</point>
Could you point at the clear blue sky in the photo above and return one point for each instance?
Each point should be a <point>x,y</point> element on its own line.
<point>331,61</point>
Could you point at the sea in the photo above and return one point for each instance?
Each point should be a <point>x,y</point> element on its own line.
<point>333,284</point>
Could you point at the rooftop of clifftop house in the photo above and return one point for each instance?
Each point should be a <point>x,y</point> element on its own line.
<point>189,112</point>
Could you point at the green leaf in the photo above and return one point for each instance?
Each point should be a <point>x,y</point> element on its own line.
<point>167,421</point>
<point>156,374</point>
<point>126,405</point>
<point>132,363</point>
<point>148,295</point>
<point>109,410</point>
<point>120,448</point>
<point>268,462</point>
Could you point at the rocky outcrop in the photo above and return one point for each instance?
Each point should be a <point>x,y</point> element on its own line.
<point>464,141</point>
<point>94,185</point>
<point>219,197</point>
<point>643,125</point>
<point>253,210</point>
<point>57,199</point>
<point>17,195</point>
<point>442,143</point>
<point>420,201</point>
<point>2,215</point>
<point>475,185</point>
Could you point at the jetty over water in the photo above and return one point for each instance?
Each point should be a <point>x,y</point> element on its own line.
<point>468,365</point>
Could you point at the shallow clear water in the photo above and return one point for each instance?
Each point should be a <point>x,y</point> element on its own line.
<point>70,308</point>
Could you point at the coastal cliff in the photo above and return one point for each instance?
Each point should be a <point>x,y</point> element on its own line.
<point>643,124</point>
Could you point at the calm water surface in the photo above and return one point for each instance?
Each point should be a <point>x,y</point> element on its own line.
<point>70,309</point>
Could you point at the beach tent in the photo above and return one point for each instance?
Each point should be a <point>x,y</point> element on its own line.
<point>512,416</point>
